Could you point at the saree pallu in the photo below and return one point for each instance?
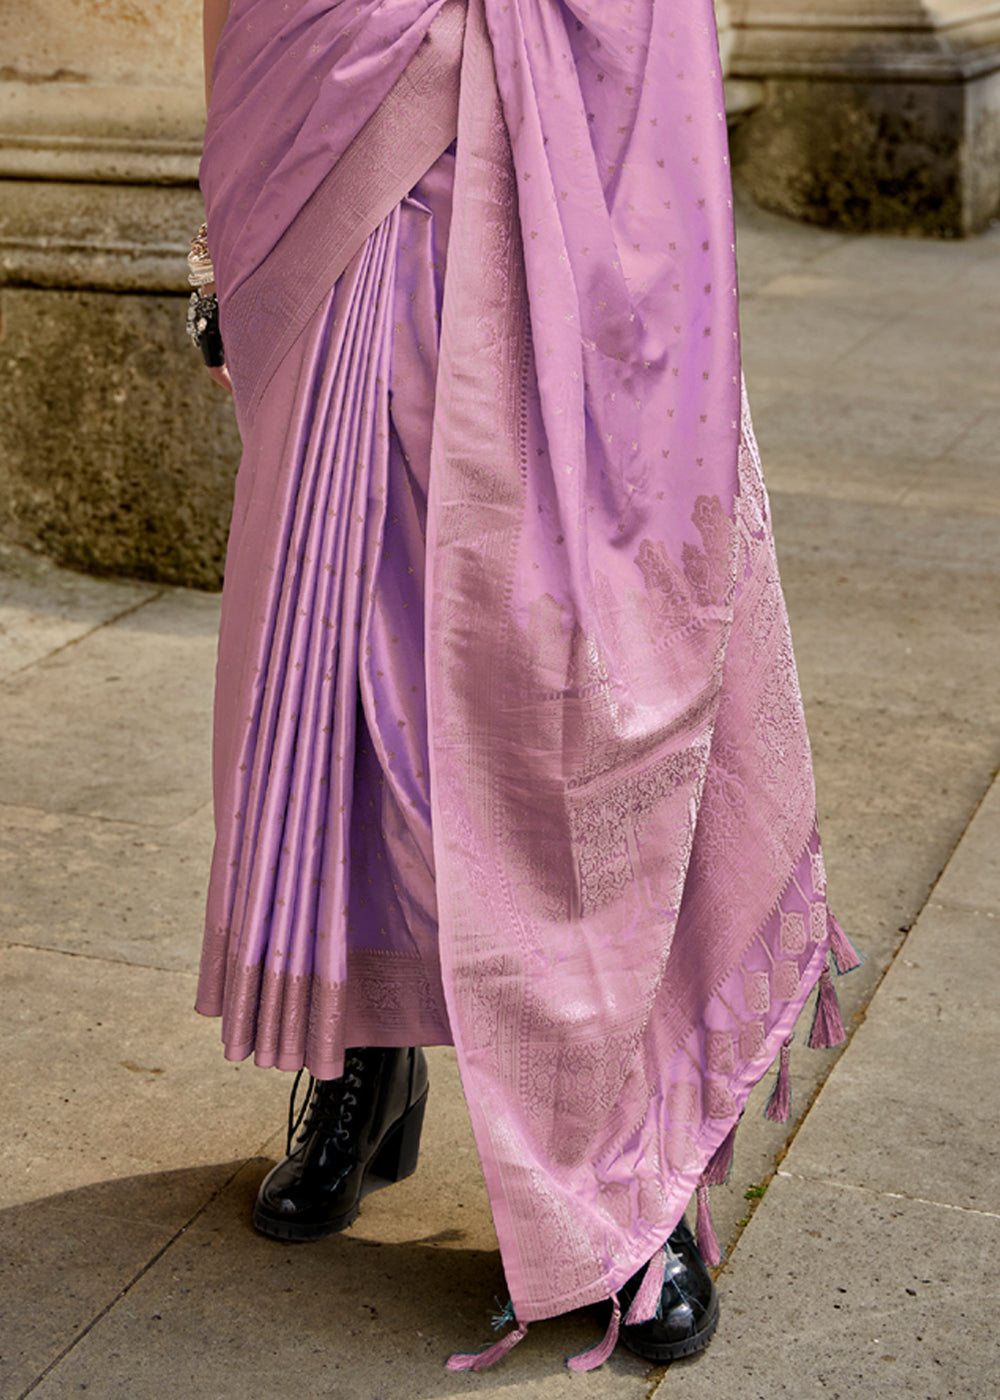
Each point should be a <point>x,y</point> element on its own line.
<point>510,751</point>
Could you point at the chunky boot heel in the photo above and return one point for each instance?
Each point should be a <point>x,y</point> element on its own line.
<point>397,1157</point>
<point>359,1133</point>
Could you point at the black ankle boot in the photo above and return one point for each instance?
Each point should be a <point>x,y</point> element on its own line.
<point>365,1124</point>
<point>689,1305</point>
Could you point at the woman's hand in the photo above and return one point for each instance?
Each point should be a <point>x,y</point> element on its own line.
<point>221,377</point>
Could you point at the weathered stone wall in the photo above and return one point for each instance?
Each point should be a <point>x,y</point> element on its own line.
<point>139,43</point>
<point>877,114</point>
<point>117,454</point>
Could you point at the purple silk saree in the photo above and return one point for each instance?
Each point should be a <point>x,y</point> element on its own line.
<point>510,752</point>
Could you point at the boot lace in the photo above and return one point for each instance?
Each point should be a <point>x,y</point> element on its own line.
<point>327,1105</point>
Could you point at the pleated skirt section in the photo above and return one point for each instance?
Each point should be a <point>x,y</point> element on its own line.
<point>322,925</point>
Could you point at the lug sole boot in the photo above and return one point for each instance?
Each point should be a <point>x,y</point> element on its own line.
<point>360,1132</point>
<point>689,1305</point>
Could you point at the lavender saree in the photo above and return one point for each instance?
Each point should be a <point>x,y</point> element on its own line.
<point>510,752</point>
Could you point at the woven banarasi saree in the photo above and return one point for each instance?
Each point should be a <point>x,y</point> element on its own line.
<point>509,745</point>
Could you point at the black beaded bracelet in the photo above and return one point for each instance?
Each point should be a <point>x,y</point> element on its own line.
<point>203,328</point>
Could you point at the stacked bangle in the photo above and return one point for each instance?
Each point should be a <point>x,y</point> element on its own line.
<point>203,308</point>
<point>203,328</point>
<point>200,270</point>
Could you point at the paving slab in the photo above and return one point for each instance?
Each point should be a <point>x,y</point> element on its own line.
<point>895,360</point>
<point>112,890</point>
<point>769,246</point>
<point>966,477</point>
<point>65,1259</point>
<point>109,1073</point>
<point>893,801</point>
<point>912,1106</point>
<point>972,879</point>
<point>43,608</point>
<point>116,726</point>
<point>902,701</point>
<point>917,269</point>
<point>839,1294</point>
<point>229,1315</point>
<point>842,444</point>
<point>801,334</point>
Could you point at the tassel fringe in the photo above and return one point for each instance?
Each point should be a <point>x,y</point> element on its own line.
<point>827,1032</point>
<point>828,1025</point>
<point>779,1105</point>
<point>845,955</point>
<point>646,1303</point>
<point>590,1360</point>
<point>504,1317</point>
<point>481,1360</point>
<point>721,1160</point>
<point>708,1241</point>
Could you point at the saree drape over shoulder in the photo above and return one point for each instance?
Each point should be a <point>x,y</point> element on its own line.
<point>510,752</point>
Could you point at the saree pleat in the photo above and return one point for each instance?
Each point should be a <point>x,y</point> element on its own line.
<point>540,787</point>
<point>290,820</point>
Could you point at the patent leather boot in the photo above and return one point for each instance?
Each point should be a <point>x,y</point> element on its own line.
<point>359,1133</point>
<point>689,1305</point>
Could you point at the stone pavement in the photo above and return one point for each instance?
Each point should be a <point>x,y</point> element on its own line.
<point>131,1151</point>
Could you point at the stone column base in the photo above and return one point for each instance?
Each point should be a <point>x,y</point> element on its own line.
<point>117,453</point>
<point>872,121</point>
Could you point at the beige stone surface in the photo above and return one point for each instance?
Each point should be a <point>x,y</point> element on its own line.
<point>108,1073</point>
<point>127,738</point>
<point>234,1316</point>
<point>939,1019</point>
<point>155,43</point>
<point>840,1293</point>
<point>972,877</point>
<point>65,1259</point>
<point>43,609</point>
<point>144,887</point>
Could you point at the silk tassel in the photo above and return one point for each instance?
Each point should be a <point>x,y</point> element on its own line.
<point>481,1360</point>
<point>721,1160</point>
<point>828,1025</point>
<point>647,1302</point>
<point>779,1105</point>
<point>590,1360</point>
<point>708,1240</point>
<point>845,955</point>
